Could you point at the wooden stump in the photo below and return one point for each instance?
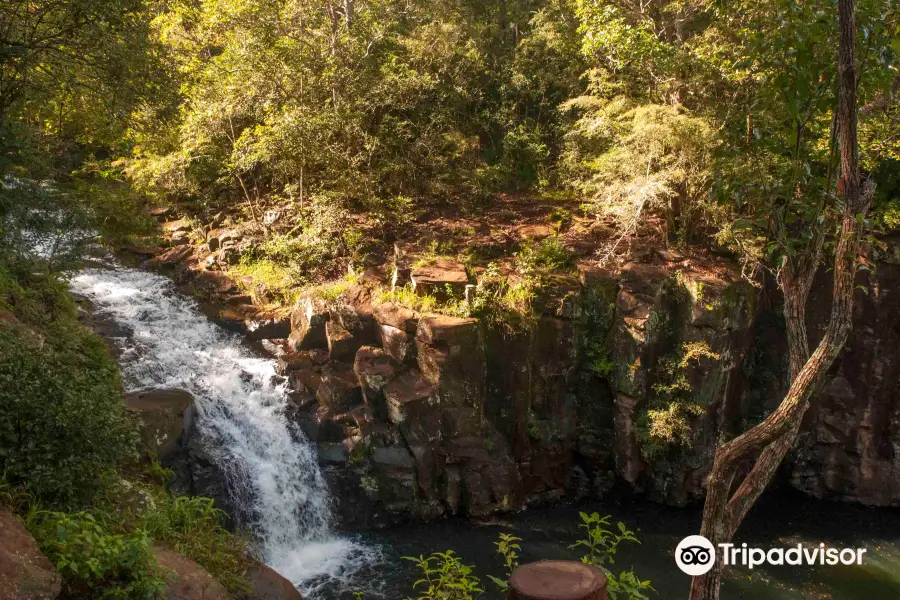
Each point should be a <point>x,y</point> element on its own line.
<point>557,580</point>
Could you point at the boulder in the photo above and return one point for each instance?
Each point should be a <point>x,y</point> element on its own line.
<point>413,405</point>
<point>305,380</point>
<point>339,390</point>
<point>341,345</point>
<point>398,344</point>
<point>374,369</point>
<point>267,584</point>
<point>293,361</point>
<point>308,323</point>
<point>453,331</point>
<point>557,580</point>
<point>25,573</point>
<point>442,278</point>
<point>162,212</point>
<point>170,257</point>
<point>185,579</point>
<point>396,316</point>
<point>357,318</point>
<point>204,475</point>
<point>268,327</point>
<point>165,418</point>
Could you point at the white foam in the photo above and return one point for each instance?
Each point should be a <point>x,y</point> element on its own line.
<point>272,469</point>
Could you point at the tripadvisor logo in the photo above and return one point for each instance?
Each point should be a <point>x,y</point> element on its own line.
<point>695,555</point>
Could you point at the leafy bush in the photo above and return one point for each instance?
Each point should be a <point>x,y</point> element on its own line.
<point>445,577</point>
<point>63,425</point>
<point>601,544</point>
<point>639,161</point>
<point>508,547</point>
<point>94,563</point>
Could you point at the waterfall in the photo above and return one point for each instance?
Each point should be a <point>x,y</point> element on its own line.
<point>272,469</point>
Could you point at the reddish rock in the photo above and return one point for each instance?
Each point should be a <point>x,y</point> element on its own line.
<point>268,327</point>
<point>293,361</point>
<point>397,343</point>
<point>305,380</point>
<point>396,316</point>
<point>268,584</point>
<point>341,345</point>
<point>849,450</point>
<point>413,405</point>
<point>176,226</point>
<point>186,580</point>
<point>162,212</point>
<point>450,356</point>
<point>375,369</point>
<point>339,390</point>
<point>164,418</point>
<point>308,323</point>
<point>25,573</point>
<point>441,278</point>
<point>560,296</point>
<point>171,257</point>
<point>453,331</point>
<point>357,318</point>
<point>557,580</point>
<point>535,232</point>
<point>8,318</point>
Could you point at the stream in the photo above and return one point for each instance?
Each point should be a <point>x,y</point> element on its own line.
<point>281,498</point>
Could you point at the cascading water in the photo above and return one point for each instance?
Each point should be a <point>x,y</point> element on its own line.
<point>272,470</point>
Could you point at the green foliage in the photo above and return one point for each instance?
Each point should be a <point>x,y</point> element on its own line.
<point>407,296</point>
<point>93,562</point>
<point>508,547</point>
<point>193,527</point>
<point>548,255</point>
<point>666,422</point>
<point>73,71</point>
<point>601,544</point>
<point>503,303</point>
<point>636,161</point>
<point>63,426</point>
<point>283,283</point>
<point>444,577</point>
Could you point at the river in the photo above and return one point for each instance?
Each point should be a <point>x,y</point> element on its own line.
<point>275,482</point>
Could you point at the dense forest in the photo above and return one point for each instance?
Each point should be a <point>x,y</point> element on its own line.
<point>334,133</point>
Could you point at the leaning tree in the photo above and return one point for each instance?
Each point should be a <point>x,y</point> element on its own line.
<point>744,466</point>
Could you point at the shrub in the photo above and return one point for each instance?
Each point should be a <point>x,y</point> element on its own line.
<point>547,255</point>
<point>445,577</point>
<point>601,544</point>
<point>93,562</point>
<point>63,425</point>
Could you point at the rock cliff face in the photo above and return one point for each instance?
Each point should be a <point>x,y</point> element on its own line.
<point>851,449</point>
<point>622,377</point>
<point>432,415</point>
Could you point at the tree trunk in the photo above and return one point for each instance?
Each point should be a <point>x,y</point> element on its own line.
<point>768,443</point>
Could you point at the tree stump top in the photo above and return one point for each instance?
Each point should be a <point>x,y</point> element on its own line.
<point>557,580</point>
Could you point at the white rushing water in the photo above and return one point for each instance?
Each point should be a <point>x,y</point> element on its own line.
<point>272,470</point>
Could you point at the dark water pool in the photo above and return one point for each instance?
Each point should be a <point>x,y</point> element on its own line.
<point>780,520</point>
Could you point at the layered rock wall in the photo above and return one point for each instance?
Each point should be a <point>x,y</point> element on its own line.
<point>627,377</point>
